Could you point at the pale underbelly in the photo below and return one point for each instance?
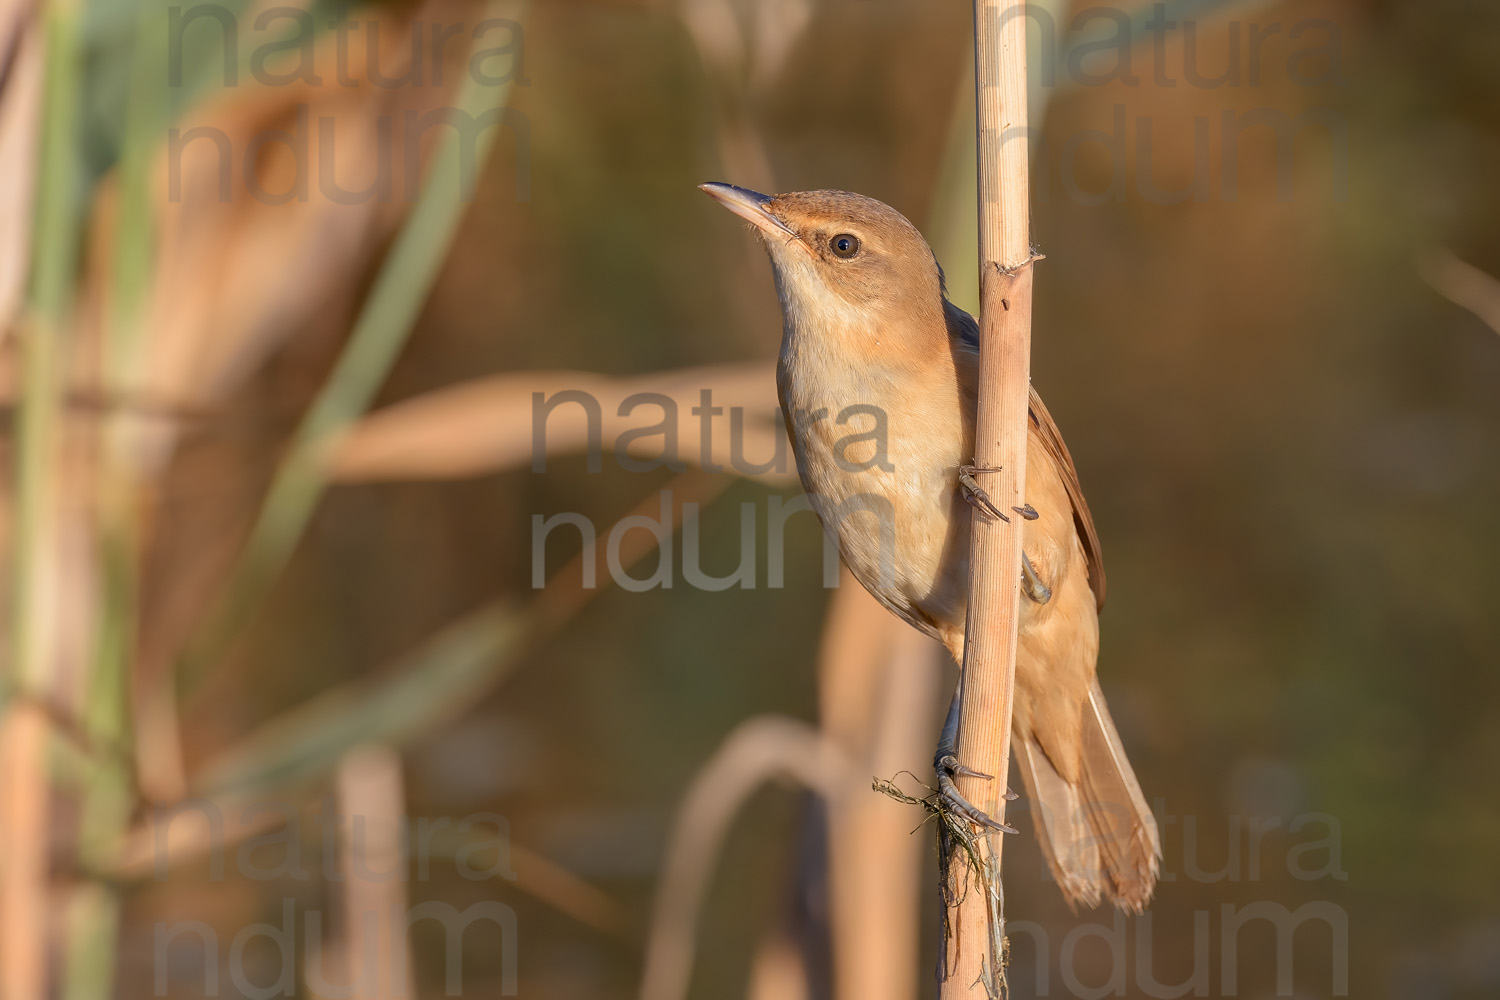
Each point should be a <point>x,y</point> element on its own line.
<point>906,537</point>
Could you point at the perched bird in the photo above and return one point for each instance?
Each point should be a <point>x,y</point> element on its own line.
<point>877,378</point>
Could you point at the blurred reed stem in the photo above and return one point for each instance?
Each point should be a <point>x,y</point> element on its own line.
<point>54,265</point>
<point>92,927</point>
<point>131,260</point>
<point>108,793</point>
<point>92,918</point>
<point>43,342</point>
<point>380,332</point>
<point>953,220</point>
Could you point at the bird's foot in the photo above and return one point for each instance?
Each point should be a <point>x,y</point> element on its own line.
<point>1031,584</point>
<point>947,765</point>
<point>975,494</point>
<point>979,499</point>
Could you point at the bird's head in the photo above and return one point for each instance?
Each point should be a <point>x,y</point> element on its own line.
<point>845,265</point>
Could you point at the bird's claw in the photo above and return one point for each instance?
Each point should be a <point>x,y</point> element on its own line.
<point>975,494</point>
<point>1032,584</point>
<point>953,801</point>
<point>954,767</point>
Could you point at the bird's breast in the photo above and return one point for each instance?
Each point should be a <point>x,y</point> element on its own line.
<point>877,450</point>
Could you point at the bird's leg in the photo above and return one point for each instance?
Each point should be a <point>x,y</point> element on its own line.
<point>945,763</point>
<point>974,494</point>
<point>1031,584</point>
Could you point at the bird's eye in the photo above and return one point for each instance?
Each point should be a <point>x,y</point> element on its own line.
<point>844,245</point>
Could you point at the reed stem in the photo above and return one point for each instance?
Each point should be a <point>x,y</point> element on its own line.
<point>974,959</point>
<point>24,728</point>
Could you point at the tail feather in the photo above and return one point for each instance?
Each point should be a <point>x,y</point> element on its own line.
<point>1098,835</point>
<point>1061,825</point>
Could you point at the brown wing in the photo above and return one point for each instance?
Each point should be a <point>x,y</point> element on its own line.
<point>1052,440</point>
<point>964,334</point>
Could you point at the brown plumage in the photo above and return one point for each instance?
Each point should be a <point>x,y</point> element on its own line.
<point>877,377</point>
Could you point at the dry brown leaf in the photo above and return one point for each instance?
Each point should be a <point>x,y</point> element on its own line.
<point>566,892</point>
<point>486,425</point>
<point>206,829</point>
<point>1462,283</point>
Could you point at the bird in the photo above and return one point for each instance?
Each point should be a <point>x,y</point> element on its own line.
<point>878,378</point>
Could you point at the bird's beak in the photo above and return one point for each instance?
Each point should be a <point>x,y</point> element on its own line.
<point>748,205</point>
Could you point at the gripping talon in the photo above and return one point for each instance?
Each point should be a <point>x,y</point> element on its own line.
<point>975,494</point>
<point>955,803</point>
<point>1028,512</point>
<point>945,762</point>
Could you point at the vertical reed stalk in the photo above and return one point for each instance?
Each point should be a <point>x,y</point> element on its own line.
<point>372,805</point>
<point>878,681</point>
<point>974,951</point>
<point>92,926</point>
<point>23,870</point>
<point>24,886</point>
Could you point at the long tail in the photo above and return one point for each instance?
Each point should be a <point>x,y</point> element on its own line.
<point>1098,835</point>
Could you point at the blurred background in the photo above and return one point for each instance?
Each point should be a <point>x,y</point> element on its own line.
<point>305,672</point>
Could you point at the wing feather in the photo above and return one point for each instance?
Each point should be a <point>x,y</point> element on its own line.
<point>1052,441</point>
<point>964,333</point>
